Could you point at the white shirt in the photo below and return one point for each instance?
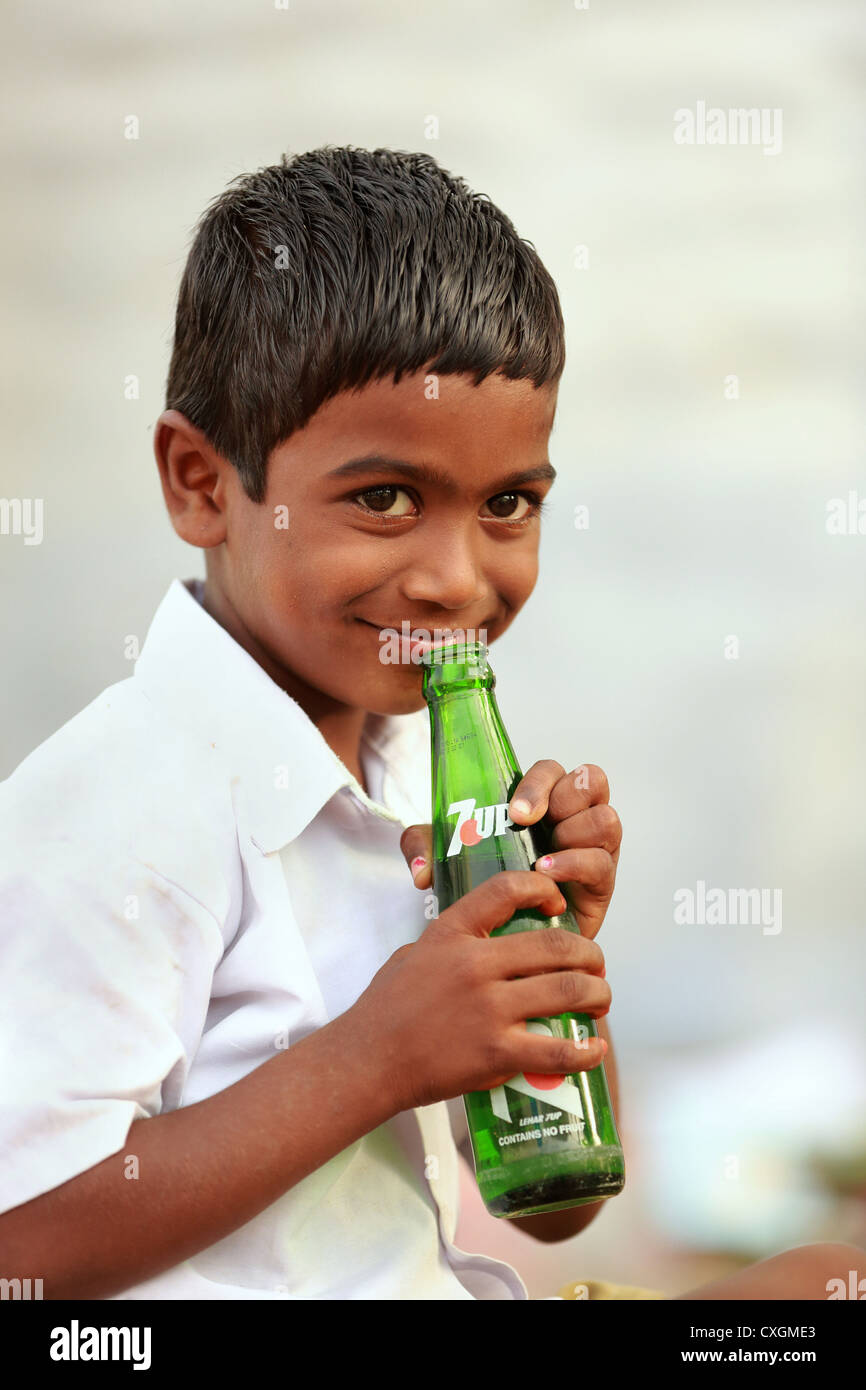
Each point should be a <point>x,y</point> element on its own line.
<point>188,872</point>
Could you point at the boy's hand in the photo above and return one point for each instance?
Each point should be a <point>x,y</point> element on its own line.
<point>587,833</point>
<point>446,1014</point>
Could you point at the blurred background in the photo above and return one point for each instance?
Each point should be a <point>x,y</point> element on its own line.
<point>697,629</point>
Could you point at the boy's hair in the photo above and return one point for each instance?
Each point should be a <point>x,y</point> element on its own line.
<point>316,274</point>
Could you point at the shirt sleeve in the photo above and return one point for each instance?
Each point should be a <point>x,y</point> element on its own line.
<point>105,977</point>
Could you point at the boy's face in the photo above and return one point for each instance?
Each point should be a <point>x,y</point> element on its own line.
<point>308,579</point>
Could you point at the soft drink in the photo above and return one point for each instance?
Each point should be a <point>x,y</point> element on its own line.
<point>541,1142</point>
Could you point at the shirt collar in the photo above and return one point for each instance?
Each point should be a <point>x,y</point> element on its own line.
<point>198,676</point>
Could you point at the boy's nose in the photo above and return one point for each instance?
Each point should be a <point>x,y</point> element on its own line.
<point>448,576</point>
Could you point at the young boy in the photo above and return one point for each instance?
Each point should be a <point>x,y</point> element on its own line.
<point>234,1030</point>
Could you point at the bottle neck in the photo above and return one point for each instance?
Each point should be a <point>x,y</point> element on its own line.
<point>472,762</point>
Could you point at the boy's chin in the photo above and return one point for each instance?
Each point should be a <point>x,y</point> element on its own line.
<point>401,699</point>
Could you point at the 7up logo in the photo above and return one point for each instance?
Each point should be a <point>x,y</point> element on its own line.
<point>473,825</point>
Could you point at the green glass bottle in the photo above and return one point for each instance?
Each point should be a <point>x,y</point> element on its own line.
<point>540,1142</point>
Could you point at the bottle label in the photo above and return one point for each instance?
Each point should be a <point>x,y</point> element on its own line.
<point>564,1096</point>
<point>475,824</point>
<point>555,1091</point>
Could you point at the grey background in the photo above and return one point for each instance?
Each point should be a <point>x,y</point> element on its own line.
<point>707,515</point>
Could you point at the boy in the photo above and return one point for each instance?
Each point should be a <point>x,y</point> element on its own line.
<point>234,1030</point>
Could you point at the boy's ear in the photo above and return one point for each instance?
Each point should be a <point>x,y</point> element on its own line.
<point>192,476</point>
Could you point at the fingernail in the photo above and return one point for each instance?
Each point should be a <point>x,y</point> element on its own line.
<point>417,865</point>
<point>521,806</point>
<point>603,1044</point>
<point>546,862</point>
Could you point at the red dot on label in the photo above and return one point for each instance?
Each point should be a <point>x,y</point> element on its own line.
<point>469,833</point>
<point>543,1081</point>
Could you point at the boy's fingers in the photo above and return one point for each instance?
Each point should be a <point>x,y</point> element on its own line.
<point>416,842</point>
<point>529,800</point>
<point>492,903</point>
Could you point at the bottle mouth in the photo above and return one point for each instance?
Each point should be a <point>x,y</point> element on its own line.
<point>450,651</point>
<point>453,665</point>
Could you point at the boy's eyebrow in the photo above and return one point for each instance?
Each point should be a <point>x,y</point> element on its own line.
<point>423,472</point>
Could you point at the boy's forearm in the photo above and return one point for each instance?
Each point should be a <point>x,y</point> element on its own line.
<point>204,1170</point>
<point>562,1225</point>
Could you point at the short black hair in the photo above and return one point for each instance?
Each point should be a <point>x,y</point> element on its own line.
<point>314,275</point>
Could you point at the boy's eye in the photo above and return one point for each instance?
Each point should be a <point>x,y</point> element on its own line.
<point>381,501</point>
<point>509,499</point>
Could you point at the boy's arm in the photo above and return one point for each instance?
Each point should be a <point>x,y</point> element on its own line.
<point>205,1170</point>
<point>562,1225</point>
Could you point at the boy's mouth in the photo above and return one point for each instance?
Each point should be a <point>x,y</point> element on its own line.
<point>415,645</point>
